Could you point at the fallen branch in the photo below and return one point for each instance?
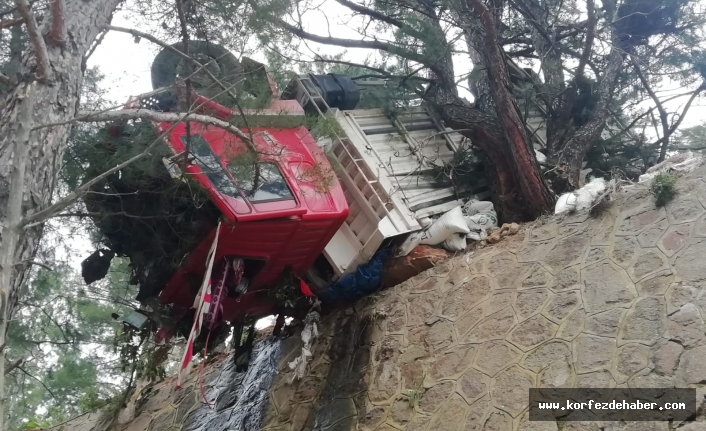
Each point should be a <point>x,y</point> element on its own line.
<point>44,71</point>
<point>166,117</point>
<point>39,217</point>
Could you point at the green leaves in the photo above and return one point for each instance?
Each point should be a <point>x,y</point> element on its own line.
<point>663,188</point>
<point>65,331</point>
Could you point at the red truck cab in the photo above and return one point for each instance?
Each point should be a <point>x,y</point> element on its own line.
<point>280,207</point>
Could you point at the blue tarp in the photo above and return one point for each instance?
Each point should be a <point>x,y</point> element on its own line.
<point>364,281</point>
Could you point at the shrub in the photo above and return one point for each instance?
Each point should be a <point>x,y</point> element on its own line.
<point>663,188</point>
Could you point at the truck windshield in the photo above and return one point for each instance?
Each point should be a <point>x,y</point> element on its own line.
<point>211,166</point>
<point>262,184</point>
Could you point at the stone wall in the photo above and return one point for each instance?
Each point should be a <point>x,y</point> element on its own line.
<point>614,300</point>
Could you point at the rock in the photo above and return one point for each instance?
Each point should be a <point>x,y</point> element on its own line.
<point>644,321</point>
<point>492,327</point>
<point>548,353</point>
<point>532,332</point>
<point>453,362</point>
<point>493,356</point>
<point>510,390</point>
<point>386,381</point>
<point>631,359</point>
<point>451,415</point>
<point>686,325</point>
<point>605,288</point>
<point>593,353</point>
<point>692,367</point>
<point>665,356</point>
<point>401,412</point>
<point>509,229</point>
<point>605,323</point>
<point>527,303</point>
<point>400,269</point>
<point>689,264</point>
<point>473,385</point>
<point>498,421</point>
<point>494,237</point>
<point>435,396</point>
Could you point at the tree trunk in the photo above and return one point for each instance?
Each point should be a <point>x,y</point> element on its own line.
<point>538,199</point>
<point>485,132</point>
<point>55,101</point>
<point>586,136</point>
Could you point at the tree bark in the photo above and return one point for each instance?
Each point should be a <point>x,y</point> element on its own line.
<point>485,131</point>
<point>535,192</point>
<point>55,101</point>
<point>12,222</point>
<point>586,136</point>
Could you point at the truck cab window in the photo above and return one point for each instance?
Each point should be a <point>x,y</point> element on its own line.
<point>267,185</point>
<point>210,165</point>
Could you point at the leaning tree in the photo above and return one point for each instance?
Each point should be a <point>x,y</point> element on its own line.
<point>581,65</point>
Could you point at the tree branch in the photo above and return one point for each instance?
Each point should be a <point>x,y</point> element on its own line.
<point>63,334</point>
<point>56,33</point>
<point>10,366</point>
<point>44,70</point>
<point>37,263</point>
<point>11,22</point>
<point>381,17</point>
<point>349,43</point>
<point>676,125</point>
<point>663,117</point>
<point>187,81</point>
<point>162,117</point>
<point>152,39</point>
<point>632,124</point>
<point>200,67</point>
<point>128,114</point>
<point>40,382</point>
<point>352,64</point>
<point>590,35</point>
<point>6,80</point>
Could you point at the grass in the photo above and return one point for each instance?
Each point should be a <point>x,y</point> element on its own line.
<point>414,395</point>
<point>663,187</point>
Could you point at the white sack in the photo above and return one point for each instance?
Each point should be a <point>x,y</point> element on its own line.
<point>409,244</point>
<point>456,242</point>
<point>565,203</point>
<point>480,218</point>
<point>471,208</point>
<point>481,224</point>
<point>448,224</point>
<point>581,199</point>
<point>425,222</point>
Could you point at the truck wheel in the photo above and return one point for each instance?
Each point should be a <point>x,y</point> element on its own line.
<point>168,66</point>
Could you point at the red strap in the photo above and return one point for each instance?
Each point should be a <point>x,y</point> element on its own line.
<point>305,289</point>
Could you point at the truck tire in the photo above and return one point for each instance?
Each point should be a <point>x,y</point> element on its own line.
<point>168,66</point>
